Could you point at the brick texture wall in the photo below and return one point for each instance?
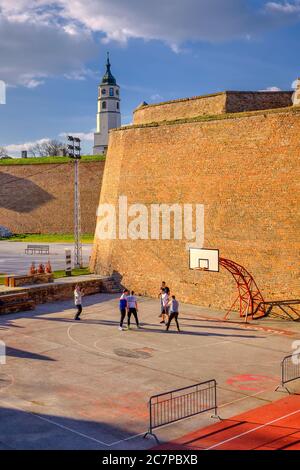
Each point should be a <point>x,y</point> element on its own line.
<point>219,103</point>
<point>244,170</point>
<point>239,101</point>
<point>184,108</point>
<point>39,198</point>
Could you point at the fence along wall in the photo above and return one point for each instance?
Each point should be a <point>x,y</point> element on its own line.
<point>40,198</point>
<point>218,103</point>
<point>244,170</point>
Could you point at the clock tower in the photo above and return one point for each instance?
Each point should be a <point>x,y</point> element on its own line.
<point>108,111</point>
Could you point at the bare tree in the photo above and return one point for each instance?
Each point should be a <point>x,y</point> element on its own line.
<point>3,153</point>
<point>34,150</point>
<point>49,148</point>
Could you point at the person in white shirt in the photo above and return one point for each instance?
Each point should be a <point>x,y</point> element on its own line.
<point>174,312</point>
<point>165,305</point>
<point>78,294</point>
<point>132,309</point>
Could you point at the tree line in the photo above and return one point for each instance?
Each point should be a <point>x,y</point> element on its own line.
<point>48,148</point>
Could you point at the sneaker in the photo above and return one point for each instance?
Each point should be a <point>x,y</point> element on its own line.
<point>120,328</point>
<point>128,327</point>
<point>138,326</point>
<point>162,321</point>
<point>77,318</point>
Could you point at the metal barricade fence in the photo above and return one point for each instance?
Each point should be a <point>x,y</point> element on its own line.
<point>290,370</point>
<point>169,407</point>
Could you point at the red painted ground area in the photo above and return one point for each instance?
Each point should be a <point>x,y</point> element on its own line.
<point>270,427</point>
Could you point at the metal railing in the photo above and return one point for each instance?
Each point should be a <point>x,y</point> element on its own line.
<point>290,370</point>
<point>169,407</point>
<point>285,309</point>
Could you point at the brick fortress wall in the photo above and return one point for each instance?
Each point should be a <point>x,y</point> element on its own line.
<point>40,198</point>
<point>218,103</point>
<point>243,169</point>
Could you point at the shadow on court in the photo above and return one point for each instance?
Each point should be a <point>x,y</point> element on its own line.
<point>25,430</point>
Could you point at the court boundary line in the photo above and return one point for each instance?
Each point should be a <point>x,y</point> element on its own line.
<point>67,428</point>
<point>252,430</point>
<point>95,349</point>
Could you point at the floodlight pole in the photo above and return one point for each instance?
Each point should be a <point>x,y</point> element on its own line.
<point>74,152</point>
<point>77,220</point>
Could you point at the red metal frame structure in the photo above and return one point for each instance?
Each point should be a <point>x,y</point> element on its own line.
<point>249,296</point>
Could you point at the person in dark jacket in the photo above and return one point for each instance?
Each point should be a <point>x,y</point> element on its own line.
<point>123,307</point>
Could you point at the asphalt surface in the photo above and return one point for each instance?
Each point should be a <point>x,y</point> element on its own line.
<point>13,259</point>
<point>86,385</point>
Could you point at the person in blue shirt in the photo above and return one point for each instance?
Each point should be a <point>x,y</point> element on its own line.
<point>123,307</point>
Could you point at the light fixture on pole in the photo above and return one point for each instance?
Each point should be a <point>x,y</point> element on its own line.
<point>74,152</point>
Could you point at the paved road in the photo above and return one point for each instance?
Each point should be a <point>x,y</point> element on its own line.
<point>14,261</point>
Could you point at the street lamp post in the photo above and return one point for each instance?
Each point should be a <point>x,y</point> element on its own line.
<point>74,152</point>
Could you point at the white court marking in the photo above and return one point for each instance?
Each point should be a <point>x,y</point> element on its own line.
<point>252,430</point>
<point>95,349</point>
<point>204,345</point>
<point>67,428</point>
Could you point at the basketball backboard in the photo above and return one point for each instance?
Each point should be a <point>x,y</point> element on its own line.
<point>204,259</point>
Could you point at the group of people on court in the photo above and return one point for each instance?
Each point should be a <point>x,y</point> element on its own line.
<point>169,307</point>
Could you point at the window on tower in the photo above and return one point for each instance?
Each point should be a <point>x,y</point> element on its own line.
<point>103,104</point>
<point>103,91</point>
<point>118,105</point>
<point>111,92</point>
<point>117,92</point>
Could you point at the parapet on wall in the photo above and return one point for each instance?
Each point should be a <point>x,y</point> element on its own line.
<point>219,103</point>
<point>243,169</point>
<point>39,198</point>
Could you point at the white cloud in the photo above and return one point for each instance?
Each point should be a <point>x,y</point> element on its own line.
<point>84,136</point>
<point>286,8</point>
<point>271,88</point>
<point>156,97</point>
<point>172,21</point>
<point>15,149</point>
<point>33,48</point>
<point>42,38</point>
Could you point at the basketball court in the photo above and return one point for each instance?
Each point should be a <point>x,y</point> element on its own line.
<point>85,385</point>
<point>275,426</point>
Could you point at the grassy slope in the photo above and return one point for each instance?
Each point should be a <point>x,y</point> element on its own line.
<point>49,238</point>
<point>44,160</point>
<point>58,274</point>
<point>52,238</point>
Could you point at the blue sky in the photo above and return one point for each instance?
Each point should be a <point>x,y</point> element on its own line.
<point>53,54</point>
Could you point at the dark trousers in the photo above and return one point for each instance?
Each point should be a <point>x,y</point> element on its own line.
<point>123,315</point>
<point>79,310</point>
<point>134,313</point>
<point>171,316</point>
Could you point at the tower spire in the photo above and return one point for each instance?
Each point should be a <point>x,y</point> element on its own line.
<point>108,78</point>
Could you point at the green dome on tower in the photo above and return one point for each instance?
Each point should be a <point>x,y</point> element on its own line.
<point>108,78</point>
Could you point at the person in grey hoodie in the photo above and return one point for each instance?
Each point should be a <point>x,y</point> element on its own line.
<point>174,312</point>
